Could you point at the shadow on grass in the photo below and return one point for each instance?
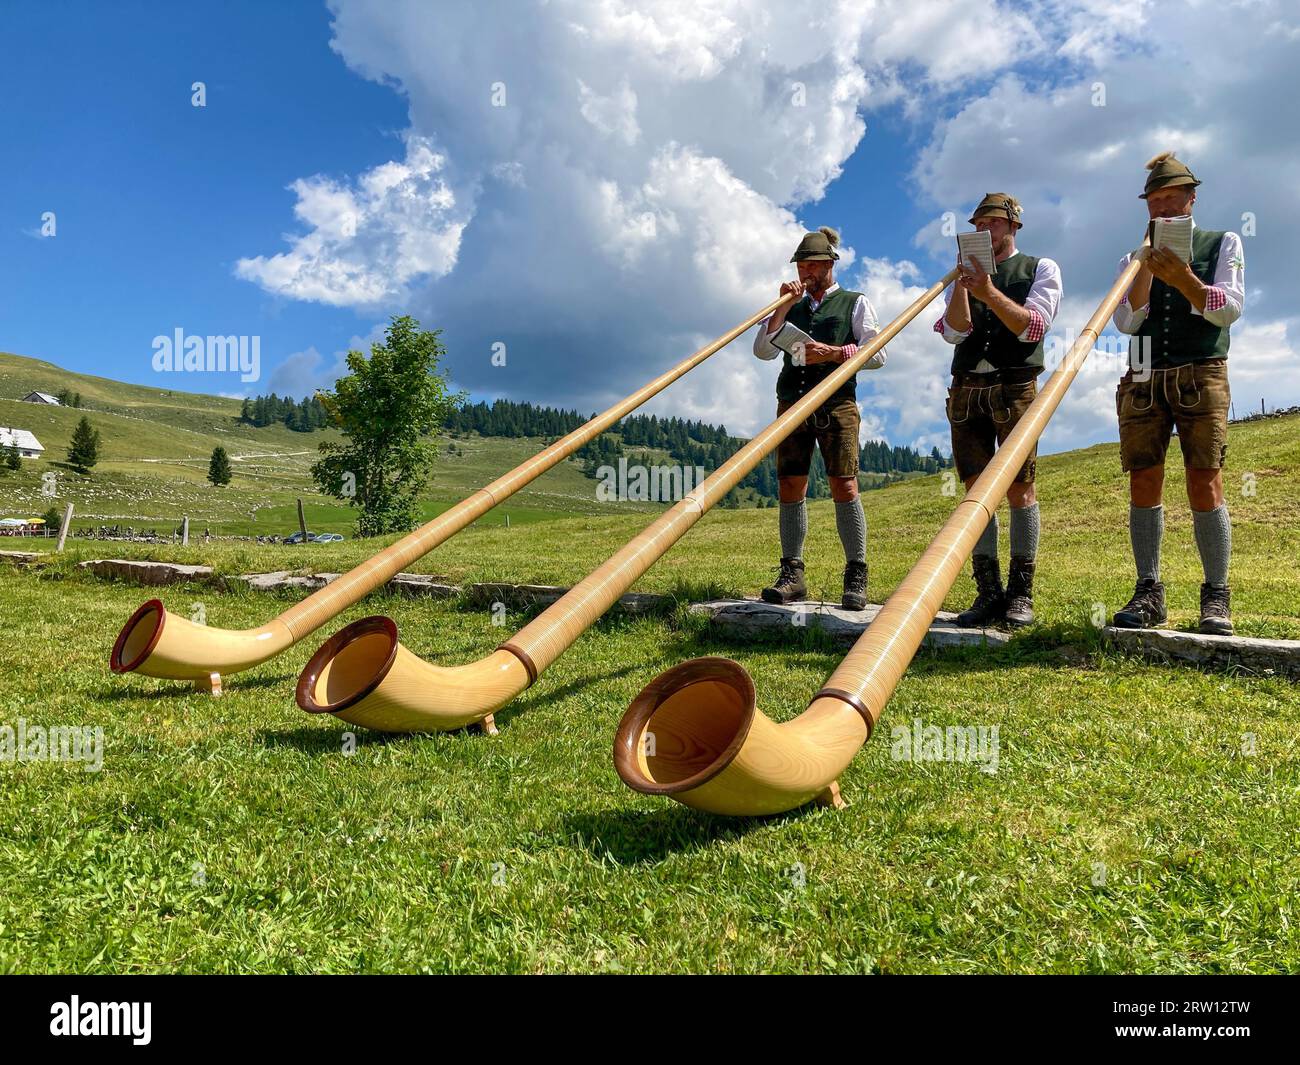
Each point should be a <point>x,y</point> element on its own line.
<point>79,471</point>
<point>644,837</point>
<point>180,689</point>
<point>325,740</point>
<point>322,740</point>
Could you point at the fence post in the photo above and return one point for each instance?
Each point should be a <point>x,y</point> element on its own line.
<point>63,529</point>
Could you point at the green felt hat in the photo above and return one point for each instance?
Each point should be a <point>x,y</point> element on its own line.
<point>1000,205</point>
<point>1165,170</point>
<point>818,245</point>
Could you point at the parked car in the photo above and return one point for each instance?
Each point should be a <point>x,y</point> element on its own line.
<point>297,538</point>
<point>328,538</point>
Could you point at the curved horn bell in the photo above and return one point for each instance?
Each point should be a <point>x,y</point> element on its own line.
<point>364,676</point>
<point>696,734</point>
<point>163,644</point>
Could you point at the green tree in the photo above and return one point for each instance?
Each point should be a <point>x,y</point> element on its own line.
<point>84,451</point>
<point>219,467</point>
<point>13,457</point>
<point>53,520</point>
<point>388,409</point>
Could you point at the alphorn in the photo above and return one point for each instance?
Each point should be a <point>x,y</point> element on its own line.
<point>158,643</point>
<point>695,733</point>
<point>364,675</point>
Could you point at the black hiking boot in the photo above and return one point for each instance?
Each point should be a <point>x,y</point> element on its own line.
<point>855,586</point>
<point>990,600</point>
<point>1216,610</point>
<point>1146,609</point>
<point>1020,592</point>
<point>789,586</point>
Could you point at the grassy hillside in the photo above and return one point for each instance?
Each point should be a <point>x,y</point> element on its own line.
<point>154,460</point>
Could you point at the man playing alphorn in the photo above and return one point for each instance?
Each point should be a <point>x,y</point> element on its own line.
<point>837,321</point>
<point>1179,314</point>
<point>998,321</point>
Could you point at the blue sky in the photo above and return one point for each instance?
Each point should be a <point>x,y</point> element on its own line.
<point>638,193</point>
<point>155,199</point>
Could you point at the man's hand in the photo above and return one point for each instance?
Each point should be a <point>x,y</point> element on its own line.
<point>815,351</point>
<point>778,316</point>
<point>976,281</point>
<point>1172,270</point>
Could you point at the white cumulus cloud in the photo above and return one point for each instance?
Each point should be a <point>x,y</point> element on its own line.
<point>616,182</point>
<point>366,241</point>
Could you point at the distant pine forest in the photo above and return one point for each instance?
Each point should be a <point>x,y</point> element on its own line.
<point>302,416</point>
<point>646,439</point>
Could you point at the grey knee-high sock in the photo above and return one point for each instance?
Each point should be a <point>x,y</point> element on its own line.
<point>1024,532</point>
<point>1213,531</point>
<point>794,528</point>
<point>1146,528</point>
<point>852,525</point>
<point>987,544</point>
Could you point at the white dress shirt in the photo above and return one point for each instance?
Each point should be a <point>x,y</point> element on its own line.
<point>1042,303</point>
<point>1223,299</point>
<point>864,321</point>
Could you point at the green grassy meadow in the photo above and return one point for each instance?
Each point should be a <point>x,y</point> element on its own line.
<point>1143,818</point>
<point>155,447</point>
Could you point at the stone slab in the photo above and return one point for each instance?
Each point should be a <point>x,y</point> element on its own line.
<point>754,618</point>
<point>1264,657</point>
<point>530,595</point>
<point>150,573</point>
<point>424,585</point>
<point>22,558</point>
<point>284,579</point>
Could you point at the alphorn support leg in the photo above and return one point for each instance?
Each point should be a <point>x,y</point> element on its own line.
<point>488,725</point>
<point>210,684</point>
<point>831,797</point>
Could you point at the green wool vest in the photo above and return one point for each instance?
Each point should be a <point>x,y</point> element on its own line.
<point>1173,334</point>
<point>990,341</point>
<point>831,323</point>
